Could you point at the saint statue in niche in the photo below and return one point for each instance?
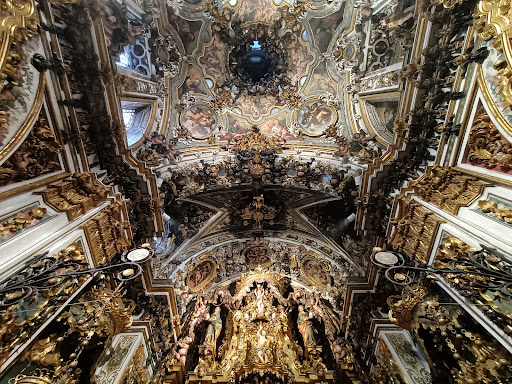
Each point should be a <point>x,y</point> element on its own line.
<point>306,327</point>
<point>260,297</point>
<point>261,345</point>
<point>213,331</point>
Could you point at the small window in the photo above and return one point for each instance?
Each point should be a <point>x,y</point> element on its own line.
<point>124,60</point>
<point>128,115</point>
<point>135,57</point>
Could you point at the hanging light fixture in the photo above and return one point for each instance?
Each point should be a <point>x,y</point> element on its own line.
<point>47,272</point>
<point>478,269</point>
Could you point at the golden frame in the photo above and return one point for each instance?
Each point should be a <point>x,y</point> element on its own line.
<point>494,22</point>
<point>208,279</point>
<point>311,256</point>
<point>295,115</point>
<point>29,121</point>
<point>214,127</point>
<point>19,25</point>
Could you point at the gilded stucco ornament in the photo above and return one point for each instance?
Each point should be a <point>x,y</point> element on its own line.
<point>256,141</point>
<point>503,213</point>
<point>402,307</point>
<point>102,311</point>
<point>107,233</point>
<point>36,156</point>
<point>76,196</point>
<point>17,24</point>
<point>415,230</point>
<point>257,213</point>
<point>448,189</point>
<point>21,221</point>
<point>486,145</point>
<point>168,57</point>
<point>494,20</point>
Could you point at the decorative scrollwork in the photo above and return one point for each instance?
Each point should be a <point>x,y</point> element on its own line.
<point>27,300</point>
<point>484,276</point>
<point>494,22</point>
<point>448,189</point>
<point>17,24</point>
<point>49,272</point>
<point>486,145</point>
<point>36,156</point>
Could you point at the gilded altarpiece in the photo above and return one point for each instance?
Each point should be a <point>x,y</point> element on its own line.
<point>259,336</point>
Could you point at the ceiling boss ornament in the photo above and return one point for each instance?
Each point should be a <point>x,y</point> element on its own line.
<point>257,212</point>
<point>257,57</point>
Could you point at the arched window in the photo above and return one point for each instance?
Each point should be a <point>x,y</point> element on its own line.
<point>138,116</point>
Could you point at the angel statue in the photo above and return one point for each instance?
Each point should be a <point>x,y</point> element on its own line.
<point>213,330</point>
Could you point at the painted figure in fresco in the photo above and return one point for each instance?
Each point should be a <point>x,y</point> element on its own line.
<point>315,118</point>
<point>199,274</point>
<point>317,271</point>
<point>199,122</point>
<point>261,344</point>
<point>306,327</point>
<point>316,115</point>
<point>214,329</point>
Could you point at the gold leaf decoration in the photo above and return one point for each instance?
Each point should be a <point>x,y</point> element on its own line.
<point>494,22</point>
<point>486,145</point>
<point>18,22</point>
<point>76,196</point>
<point>37,155</point>
<point>448,189</point>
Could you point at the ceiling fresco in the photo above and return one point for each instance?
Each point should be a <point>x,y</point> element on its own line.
<point>292,105</point>
<point>278,109</point>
